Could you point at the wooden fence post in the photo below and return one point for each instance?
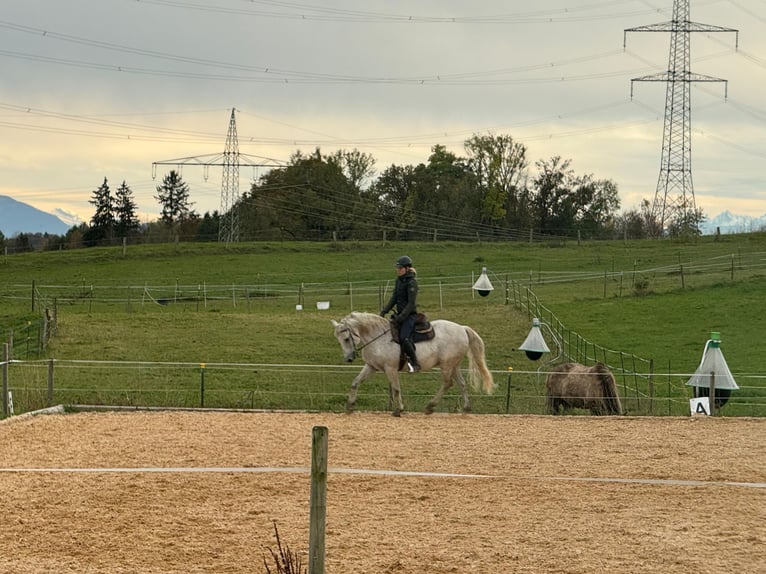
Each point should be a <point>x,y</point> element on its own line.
<point>318,500</point>
<point>5,379</point>
<point>202,385</point>
<point>50,382</point>
<point>651,386</point>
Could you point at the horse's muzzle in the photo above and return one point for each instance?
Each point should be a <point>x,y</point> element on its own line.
<point>350,357</point>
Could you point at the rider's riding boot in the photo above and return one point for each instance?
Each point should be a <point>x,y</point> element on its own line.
<point>409,349</point>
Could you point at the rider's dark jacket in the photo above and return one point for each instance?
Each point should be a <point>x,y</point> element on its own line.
<point>404,297</point>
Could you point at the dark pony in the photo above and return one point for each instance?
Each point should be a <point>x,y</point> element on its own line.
<point>573,385</point>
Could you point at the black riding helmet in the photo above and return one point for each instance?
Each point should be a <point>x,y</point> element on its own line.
<point>404,261</point>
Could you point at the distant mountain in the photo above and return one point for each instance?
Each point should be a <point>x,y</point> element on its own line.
<point>17,217</point>
<point>728,222</point>
<point>71,219</point>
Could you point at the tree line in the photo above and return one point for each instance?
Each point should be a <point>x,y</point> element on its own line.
<point>489,193</point>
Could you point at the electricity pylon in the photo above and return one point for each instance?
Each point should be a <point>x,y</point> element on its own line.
<point>675,190</point>
<point>230,160</point>
<point>228,229</point>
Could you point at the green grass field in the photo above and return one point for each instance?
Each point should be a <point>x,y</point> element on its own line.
<point>135,325</point>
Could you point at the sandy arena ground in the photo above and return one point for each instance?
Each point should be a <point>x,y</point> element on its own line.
<point>674,511</point>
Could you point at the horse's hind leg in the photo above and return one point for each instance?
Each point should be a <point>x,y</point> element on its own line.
<point>446,384</point>
<point>463,389</point>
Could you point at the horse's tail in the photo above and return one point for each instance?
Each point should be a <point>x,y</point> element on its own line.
<point>609,390</point>
<point>477,364</point>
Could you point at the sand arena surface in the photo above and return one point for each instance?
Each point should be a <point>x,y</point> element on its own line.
<point>523,519</point>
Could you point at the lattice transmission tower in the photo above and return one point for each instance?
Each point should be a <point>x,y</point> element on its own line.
<point>674,196</point>
<point>228,230</point>
<point>230,160</point>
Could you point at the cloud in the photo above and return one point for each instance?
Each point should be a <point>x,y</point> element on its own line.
<point>138,82</point>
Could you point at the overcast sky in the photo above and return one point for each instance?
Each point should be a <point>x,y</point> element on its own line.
<point>103,88</point>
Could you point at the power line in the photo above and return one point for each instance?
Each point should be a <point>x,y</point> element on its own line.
<point>314,13</point>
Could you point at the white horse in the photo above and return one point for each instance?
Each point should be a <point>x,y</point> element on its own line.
<point>371,334</point>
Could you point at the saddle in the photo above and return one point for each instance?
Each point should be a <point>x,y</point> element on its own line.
<point>424,331</point>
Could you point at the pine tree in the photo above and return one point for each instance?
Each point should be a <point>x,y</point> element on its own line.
<point>125,211</point>
<point>102,222</point>
<point>173,196</point>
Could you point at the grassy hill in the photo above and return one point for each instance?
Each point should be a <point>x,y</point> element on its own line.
<point>214,303</point>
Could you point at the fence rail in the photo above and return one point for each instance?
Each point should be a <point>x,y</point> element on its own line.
<point>202,294</point>
<point>38,384</point>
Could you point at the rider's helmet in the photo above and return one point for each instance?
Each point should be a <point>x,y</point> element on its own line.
<point>404,261</point>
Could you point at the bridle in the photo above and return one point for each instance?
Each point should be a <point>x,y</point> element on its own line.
<point>355,336</point>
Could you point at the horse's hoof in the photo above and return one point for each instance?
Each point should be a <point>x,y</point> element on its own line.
<point>429,410</point>
<point>466,409</point>
<point>396,413</point>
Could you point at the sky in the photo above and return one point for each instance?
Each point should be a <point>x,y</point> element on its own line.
<point>94,89</point>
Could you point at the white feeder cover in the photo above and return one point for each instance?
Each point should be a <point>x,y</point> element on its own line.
<point>713,362</point>
<point>534,341</point>
<point>483,283</point>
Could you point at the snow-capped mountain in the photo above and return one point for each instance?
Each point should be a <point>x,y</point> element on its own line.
<point>729,222</point>
<point>71,219</point>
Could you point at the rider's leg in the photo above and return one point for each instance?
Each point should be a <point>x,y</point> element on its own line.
<point>405,336</point>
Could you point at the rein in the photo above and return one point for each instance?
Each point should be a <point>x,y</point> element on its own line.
<point>360,347</point>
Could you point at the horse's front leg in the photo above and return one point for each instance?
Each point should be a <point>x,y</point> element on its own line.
<point>395,392</point>
<point>363,375</point>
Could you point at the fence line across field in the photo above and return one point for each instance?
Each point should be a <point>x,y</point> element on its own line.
<point>279,386</point>
<point>273,287</point>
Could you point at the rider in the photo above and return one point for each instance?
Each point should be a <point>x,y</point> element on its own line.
<point>404,298</point>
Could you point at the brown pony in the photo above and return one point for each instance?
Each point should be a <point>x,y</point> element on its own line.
<point>573,385</point>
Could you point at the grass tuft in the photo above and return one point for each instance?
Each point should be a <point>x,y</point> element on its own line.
<point>285,561</point>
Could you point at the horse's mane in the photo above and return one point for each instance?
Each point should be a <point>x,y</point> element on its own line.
<point>365,323</point>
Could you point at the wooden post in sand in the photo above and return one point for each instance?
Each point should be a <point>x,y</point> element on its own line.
<point>318,500</point>
<point>6,358</point>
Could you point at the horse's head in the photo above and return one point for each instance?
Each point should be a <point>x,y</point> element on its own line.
<point>347,339</point>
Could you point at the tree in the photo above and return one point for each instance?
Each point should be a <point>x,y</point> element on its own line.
<point>309,198</point>
<point>444,194</point>
<point>501,169</point>
<point>553,213</point>
<point>596,203</point>
<point>208,227</point>
<point>685,224</point>
<point>75,237</point>
<point>565,202</point>
<point>102,223</point>
<point>358,167</point>
<point>125,211</point>
<point>22,243</point>
<point>173,196</point>
<point>393,196</point>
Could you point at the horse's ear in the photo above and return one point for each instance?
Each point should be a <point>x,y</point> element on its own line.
<point>334,323</point>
